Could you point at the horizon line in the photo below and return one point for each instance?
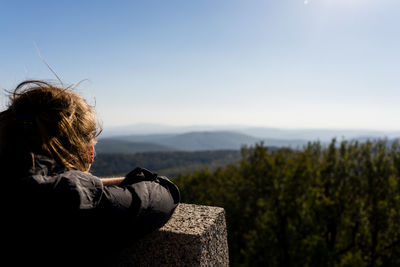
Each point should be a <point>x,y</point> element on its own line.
<point>249,126</point>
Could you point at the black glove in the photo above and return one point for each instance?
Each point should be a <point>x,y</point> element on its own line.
<point>139,175</point>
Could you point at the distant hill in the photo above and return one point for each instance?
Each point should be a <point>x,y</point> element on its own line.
<point>208,140</point>
<point>193,141</point>
<point>151,129</point>
<point>198,141</point>
<point>113,145</point>
<point>259,132</point>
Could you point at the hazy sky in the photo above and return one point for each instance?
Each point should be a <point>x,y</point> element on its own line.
<point>279,63</point>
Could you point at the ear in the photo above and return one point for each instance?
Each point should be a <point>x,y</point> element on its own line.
<point>91,153</point>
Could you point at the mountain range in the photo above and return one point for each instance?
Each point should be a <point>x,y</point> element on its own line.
<point>152,139</point>
<point>258,132</point>
<point>193,141</point>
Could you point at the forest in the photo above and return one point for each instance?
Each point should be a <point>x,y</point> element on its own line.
<point>331,205</point>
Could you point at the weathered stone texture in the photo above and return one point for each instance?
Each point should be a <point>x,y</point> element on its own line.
<point>194,236</point>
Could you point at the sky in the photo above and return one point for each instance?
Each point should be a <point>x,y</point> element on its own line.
<point>272,63</point>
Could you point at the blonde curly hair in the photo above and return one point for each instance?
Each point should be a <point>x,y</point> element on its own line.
<point>44,118</point>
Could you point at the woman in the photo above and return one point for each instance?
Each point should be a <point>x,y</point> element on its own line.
<point>56,211</point>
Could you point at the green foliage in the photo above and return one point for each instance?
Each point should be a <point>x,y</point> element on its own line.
<point>320,206</point>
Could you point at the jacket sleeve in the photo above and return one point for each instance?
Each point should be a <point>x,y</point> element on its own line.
<point>142,203</point>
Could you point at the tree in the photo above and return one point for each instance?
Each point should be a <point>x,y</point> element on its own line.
<point>319,206</point>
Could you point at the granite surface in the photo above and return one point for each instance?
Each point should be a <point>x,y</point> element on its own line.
<point>194,236</point>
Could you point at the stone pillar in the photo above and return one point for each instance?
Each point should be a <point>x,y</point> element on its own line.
<point>194,236</point>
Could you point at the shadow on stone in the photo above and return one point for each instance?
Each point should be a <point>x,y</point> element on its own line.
<point>194,236</point>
